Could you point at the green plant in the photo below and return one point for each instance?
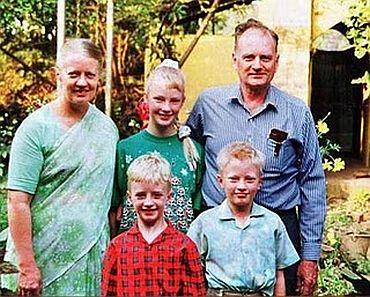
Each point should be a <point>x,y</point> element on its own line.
<point>3,212</point>
<point>363,265</point>
<point>11,115</point>
<point>335,263</point>
<point>331,280</point>
<point>328,148</point>
<point>357,21</point>
<point>358,202</point>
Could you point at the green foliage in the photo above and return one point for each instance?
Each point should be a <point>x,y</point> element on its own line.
<point>151,25</point>
<point>28,24</point>
<point>11,116</point>
<point>26,35</point>
<point>334,263</point>
<point>363,265</point>
<point>357,21</point>
<point>3,212</point>
<point>358,202</point>
<point>3,217</point>
<point>331,280</point>
<point>18,85</point>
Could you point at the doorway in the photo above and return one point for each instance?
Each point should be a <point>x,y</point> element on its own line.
<point>332,91</point>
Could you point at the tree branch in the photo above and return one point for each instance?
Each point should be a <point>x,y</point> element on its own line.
<point>28,68</point>
<point>225,6</point>
<point>199,33</point>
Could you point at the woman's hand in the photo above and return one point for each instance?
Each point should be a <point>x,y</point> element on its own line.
<point>19,215</point>
<point>29,281</point>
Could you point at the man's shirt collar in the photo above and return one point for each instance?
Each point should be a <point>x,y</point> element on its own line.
<point>270,101</point>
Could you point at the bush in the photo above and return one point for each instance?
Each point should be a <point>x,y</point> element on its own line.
<point>11,116</point>
<point>3,212</point>
<point>336,265</point>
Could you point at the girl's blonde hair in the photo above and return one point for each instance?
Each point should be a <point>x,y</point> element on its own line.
<point>169,74</point>
<point>149,168</point>
<point>171,77</point>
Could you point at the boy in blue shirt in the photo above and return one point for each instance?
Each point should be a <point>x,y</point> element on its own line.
<point>244,246</point>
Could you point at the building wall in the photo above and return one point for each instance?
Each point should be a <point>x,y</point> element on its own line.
<point>327,13</point>
<point>210,63</point>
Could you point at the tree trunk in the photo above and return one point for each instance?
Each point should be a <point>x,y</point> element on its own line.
<point>109,52</point>
<point>60,25</point>
<point>199,33</point>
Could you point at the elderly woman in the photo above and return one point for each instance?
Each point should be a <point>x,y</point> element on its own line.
<point>60,184</point>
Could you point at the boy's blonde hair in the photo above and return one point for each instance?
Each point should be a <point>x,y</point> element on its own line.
<point>242,151</point>
<point>149,168</point>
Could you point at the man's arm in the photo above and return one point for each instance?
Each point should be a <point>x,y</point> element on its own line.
<point>313,207</point>
<point>19,216</point>
<point>279,289</point>
<point>313,193</point>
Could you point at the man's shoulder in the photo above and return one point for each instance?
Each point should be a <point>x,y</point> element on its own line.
<point>219,92</point>
<point>288,99</point>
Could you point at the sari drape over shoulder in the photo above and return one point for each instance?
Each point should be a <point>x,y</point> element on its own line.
<point>70,206</point>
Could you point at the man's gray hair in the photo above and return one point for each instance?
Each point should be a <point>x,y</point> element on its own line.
<point>254,24</point>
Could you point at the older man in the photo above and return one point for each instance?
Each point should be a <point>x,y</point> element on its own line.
<point>279,125</point>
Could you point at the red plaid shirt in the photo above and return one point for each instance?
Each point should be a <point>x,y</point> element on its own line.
<point>169,266</point>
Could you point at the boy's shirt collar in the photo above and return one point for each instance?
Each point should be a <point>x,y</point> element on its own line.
<point>134,232</point>
<point>225,212</point>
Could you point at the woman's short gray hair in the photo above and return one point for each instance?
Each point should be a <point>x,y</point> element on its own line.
<point>79,45</point>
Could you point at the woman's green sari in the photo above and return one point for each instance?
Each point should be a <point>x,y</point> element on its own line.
<point>71,201</point>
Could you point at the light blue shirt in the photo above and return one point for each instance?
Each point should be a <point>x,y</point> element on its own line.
<point>292,178</point>
<point>243,259</point>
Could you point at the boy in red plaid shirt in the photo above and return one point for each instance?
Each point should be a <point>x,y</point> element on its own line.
<point>151,258</point>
